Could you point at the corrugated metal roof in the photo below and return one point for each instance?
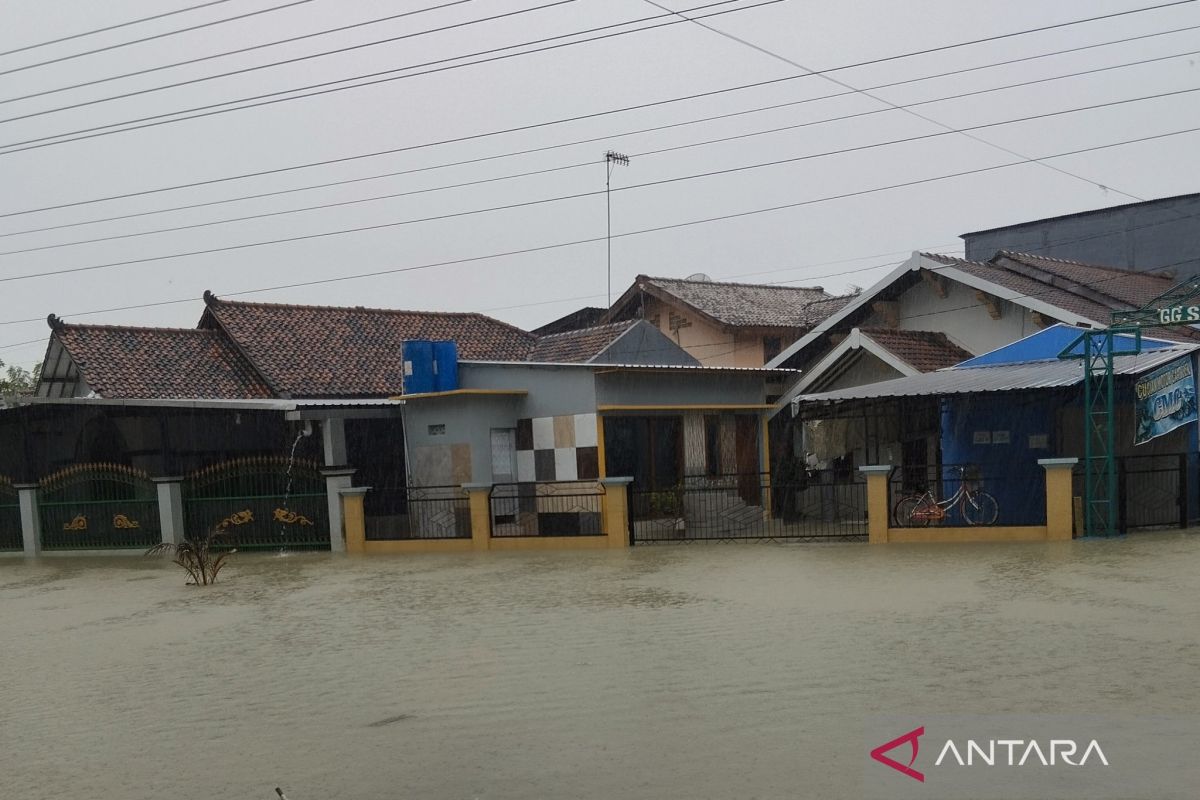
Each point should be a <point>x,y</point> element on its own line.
<point>1001,378</point>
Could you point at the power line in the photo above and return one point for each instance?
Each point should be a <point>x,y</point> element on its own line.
<point>111,27</point>
<point>256,101</point>
<point>656,229</point>
<point>577,118</point>
<point>645,130</point>
<point>295,60</point>
<point>777,162</point>
<point>239,51</point>
<point>878,99</point>
<point>155,36</point>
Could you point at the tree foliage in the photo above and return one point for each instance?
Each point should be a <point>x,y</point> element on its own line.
<point>18,381</point>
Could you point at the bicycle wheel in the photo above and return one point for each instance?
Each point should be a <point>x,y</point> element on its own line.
<point>902,514</point>
<point>979,508</point>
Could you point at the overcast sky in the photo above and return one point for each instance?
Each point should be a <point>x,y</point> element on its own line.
<point>834,243</point>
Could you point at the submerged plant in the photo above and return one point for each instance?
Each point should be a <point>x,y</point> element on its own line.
<point>197,556</point>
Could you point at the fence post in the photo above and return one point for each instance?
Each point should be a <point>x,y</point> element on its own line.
<point>336,479</point>
<point>1059,503</point>
<point>479,498</point>
<point>31,521</point>
<point>353,518</point>
<point>616,510</point>
<point>170,509</point>
<point>877,502</point>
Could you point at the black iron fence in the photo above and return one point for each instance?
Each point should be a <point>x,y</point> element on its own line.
<point>417,512</point>
<point>98,506</point>
<point>967,495</point>
<point>262,502</point>
<point>813,506</point>
<point>564,508</point>
<point>10,517</point>
<point>1154,491</point>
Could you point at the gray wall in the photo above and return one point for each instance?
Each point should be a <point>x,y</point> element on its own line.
<point>644,344</point>
<point>553,391</point>
<point>438,460</point>
<point>1158,235</point>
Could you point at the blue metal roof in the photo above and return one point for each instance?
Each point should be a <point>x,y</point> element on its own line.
<point>1046,345</point>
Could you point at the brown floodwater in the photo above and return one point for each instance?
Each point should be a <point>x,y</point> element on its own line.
<point>719,671</point>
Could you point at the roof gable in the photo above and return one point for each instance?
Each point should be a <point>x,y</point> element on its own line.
<point>123,362</point>
<point>328,351</point>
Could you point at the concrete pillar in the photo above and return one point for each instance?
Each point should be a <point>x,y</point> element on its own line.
<point>479,496</point>
<point>333,436</point>
<point>877,502</point>
<point>31,520</point>
<point>354,520</point>
<point>616,510</point>
<point>170,509</point>
<point>336,480</point>
<point>1059,497</point>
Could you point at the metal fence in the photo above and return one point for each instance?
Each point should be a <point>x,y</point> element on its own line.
<point>10,517</point>
<point>98,506</point>
<point>262,502</point>
<point>967,495</point>
<point>417,512</point>
<point>820,505</point>
<point>565,508</point>
<point>1154,491</point>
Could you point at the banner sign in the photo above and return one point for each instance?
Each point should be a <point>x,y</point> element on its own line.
<point>1164,399</point>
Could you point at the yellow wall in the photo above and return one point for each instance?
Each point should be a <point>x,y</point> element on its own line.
<point>707,343</point>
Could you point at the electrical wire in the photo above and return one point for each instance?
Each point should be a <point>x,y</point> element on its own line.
<point>777,162</point>
<point>588,163</point>
<point>239,51</point>
<point>163,35</point>
<point>94,31</point>
<point>257,101</point>
<point>655,229</point>
<point>577,118</point>
<point>295,60</point>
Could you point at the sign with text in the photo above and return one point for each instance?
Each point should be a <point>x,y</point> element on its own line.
<point>1164,399</point>
<point>1179,315</point>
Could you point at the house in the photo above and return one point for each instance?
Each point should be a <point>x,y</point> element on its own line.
<point>265,408</point>
<point>929,313</point>
<point>725,324</point>
<point>1152,235</point>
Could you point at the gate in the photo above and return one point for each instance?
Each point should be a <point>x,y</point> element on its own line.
<point>98,507</point>
<point>820,506</point>
<point>10,517</point>
<point>262,502</point>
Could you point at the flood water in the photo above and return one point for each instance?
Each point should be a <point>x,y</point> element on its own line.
<point>719,671</point>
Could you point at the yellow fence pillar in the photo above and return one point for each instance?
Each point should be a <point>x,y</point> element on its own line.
<point>877,503</point>
<point>479,497</point>
<point>616,510</point>
<point>354,520</point>
<point>1059,502</point>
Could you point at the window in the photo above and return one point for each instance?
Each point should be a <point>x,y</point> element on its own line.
<point>772,346</point>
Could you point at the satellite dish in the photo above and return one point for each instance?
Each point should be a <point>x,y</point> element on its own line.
<point>699,276</point>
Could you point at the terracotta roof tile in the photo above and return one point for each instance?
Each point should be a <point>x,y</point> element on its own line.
<point>326,351</point>
<point>578,346</point>
<point>923,350</point>
<point>160,363</point>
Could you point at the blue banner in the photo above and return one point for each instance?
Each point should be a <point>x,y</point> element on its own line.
<point>1164,399</point>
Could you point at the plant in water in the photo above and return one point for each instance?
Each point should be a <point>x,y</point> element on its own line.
<point>197,556</point>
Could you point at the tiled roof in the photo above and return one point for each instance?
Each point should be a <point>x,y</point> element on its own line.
<point>578,346</point>
<point>923,350</point>
<point>1132,288</point>
<point>745,304</point>
<point>581,318</point>
<point>324,351</point>
<point>119,362</point>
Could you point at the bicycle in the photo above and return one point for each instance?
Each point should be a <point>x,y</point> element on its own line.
<point>918,510</point>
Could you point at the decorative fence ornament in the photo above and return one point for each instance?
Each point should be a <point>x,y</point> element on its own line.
<point>123,522</point>
<point>77,524</point>
<point>239,518</point>
<point>291,517</point>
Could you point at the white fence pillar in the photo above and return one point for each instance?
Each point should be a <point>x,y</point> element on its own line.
<point>31,521</point>
<point>335,481</point>
<point>170,509</point>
